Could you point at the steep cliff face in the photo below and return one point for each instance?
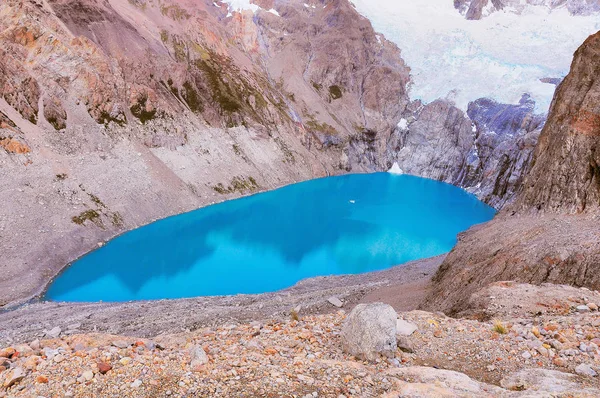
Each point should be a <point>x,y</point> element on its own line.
<point>550,233</point>
<point>565,176</point>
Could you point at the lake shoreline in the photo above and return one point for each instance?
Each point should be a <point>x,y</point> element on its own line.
<point>397,285</point>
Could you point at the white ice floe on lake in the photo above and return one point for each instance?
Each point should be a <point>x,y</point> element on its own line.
<point>500,56</point>
<point>395,169</point>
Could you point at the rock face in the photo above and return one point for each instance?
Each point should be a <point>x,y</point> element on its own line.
<point>477,9</point>
<point>550,233</point>
<point>370,331</point>
<point>565,176</point>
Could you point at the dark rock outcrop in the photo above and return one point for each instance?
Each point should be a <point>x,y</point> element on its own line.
<point>550,233</point>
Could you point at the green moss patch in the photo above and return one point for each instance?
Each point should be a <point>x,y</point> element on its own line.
<point>335,92</point>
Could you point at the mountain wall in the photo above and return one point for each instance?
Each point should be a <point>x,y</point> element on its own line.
<point>550,233</point>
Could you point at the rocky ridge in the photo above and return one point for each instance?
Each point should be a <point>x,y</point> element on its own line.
<point>549,234</point>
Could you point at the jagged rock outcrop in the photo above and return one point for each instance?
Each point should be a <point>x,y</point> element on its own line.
<point>565,176</point>
<point>550,233</point>
<point>476,9</point>
<point>486,150</point>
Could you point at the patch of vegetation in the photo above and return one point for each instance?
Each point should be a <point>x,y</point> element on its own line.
<point>191,97</point>
<point>499,327</point>
<point>139,110</point>
<point>321,127</point>
<point>106,118</point>
<point>57,124</point>
<point>221,91</point>
<point>88,215</point>
<point>317,86</point>
<point>61,177</point>
<point>96,200</point>
<point>237,150</point>
<point>164,35</point>
<point>238,184</point>
<point>175,12</point>
<point>180,50</point>
<point>287,153</point>
<point>117,219</point>
<point>335,92</point>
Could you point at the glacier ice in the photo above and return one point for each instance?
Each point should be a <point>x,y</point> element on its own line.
<point>502,56</point>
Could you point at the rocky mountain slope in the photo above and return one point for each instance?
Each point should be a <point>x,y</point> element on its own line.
<point>114,113</point>
<point>550,233</point>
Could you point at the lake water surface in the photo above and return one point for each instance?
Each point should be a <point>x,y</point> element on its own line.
<point>269,241</point>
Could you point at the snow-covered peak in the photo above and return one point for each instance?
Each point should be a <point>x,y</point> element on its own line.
<point>501,56</point>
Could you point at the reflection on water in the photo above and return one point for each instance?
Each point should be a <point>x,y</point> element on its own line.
<point>266,242</point>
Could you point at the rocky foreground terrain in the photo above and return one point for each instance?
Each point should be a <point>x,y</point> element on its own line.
<point>542,342</point>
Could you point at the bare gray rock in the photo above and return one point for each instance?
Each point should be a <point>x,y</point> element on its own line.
<point>544,380</point>
<point>370,331</point>
<point>199,357</point>
<point>335,302</point>
<point>405,328</point>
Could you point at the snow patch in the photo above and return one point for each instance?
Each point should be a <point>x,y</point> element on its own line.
<point>395,169</point>
<point>240,5</point>
<point>501,56</point>
<point>403,124</point>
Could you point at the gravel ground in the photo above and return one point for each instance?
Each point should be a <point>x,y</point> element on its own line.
<point>150,318</point>
<point>302,357</point>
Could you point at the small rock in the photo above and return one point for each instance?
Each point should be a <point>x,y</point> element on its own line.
<point>405,328</point>
<point>583,308</point>
<point>7,352</point>
<point>585,370</point>
<point>54,332</point>
<point>104,367</point>
<point>592,306</point>
<point>125,361</point>
<point>404,344</point>
<point>35,345</point>
<point>199,357</point>
<point>121,344</point>
<point>335,302</point>
<point>13,377</point>
<point>136,383</point>
<point>88,375</point>
<point>41,379</point>
<point>526,354</point>
<point>59,358</point>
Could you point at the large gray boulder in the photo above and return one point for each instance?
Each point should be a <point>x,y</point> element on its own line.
<point>370,331</point>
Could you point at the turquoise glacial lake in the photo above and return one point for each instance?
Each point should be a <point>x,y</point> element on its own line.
<point>269,241</point>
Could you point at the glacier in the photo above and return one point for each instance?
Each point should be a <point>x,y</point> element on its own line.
<point>501,56</point>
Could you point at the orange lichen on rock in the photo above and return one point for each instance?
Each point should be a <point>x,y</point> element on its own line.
<point>586,122</point>
<point>12,145</point>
